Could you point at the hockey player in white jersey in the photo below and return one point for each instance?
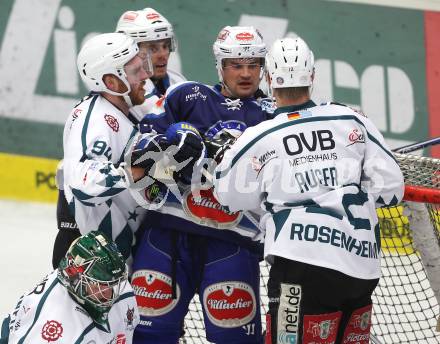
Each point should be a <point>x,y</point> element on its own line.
<point>155,35</point>
<point>86,300</point>
<point>319,172</point>
<point>96,134</point>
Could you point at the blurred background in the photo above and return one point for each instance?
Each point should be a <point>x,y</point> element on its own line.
<point>380,56</point>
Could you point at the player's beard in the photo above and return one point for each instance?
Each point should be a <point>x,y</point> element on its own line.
<point>137,94</point>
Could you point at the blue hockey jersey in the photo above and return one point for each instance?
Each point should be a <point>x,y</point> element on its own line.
<point>210,112</point>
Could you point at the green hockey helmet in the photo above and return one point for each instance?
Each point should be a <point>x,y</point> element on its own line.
<point>94,273</point>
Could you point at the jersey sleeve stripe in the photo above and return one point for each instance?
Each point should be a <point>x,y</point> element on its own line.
<point>86,124</point>
<point>39,307</point>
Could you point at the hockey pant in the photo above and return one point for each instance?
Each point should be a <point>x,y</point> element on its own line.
<point>225,276</point>
<point>312,304</point>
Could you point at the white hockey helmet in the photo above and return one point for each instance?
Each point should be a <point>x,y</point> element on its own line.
<point>290,63</point>
<point>106,54</point>
<point>238,42</point>
<point>146,25</point>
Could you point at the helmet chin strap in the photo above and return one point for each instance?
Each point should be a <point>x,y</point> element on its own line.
<point>128,101</point>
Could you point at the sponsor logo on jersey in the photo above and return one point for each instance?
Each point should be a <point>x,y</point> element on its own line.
<point>229,304</point>
<point>267,105</point>
<point>233,105</point>
<point>195,95</point>
<point>112,122</point>
<point>322,328</point>
<point>154,292</point>
<point>223,35</point>
<point>288,313</point>
<point>130,16</point>
<point>130,317</point>
<point>356,136</point>
<point>258,163</point>
<point>233,127</point>
<point>358,328</point>
<point>52,330</point>
<point>244,36</point>
<point>318,139</point>
<point>81,310</point>
<point>204,209</point>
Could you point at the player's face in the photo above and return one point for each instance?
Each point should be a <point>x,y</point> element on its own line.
<point>137,71</point>
<point>241,76</point>
<point>160,53</point>
<point>99,292</point>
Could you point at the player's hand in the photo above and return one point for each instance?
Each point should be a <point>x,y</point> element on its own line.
<point>216,147</point>
<point>149,149</point>
<point>189,149</point>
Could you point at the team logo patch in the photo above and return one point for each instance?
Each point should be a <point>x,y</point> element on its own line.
<point>358,328</point>
<point>130,317</point>
<point>120,339</point>
<point>204,209</point>
<point>229,304</point>
<point>51,331</point>
<point>322,328</point>
<point>244,36</point>
<point>356,136</point>
<point>154,292</point>
<point>222,35</point>
<point>112,122</point>
<point>280,80</point>
<point>130,16</point>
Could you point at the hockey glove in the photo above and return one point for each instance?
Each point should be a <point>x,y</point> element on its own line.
<point>149,149</point>
<point>216,147</point>
<point>189,149</point>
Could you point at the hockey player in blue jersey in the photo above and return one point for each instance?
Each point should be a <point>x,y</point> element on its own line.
<point>186,248</point>
<point>319,172</point>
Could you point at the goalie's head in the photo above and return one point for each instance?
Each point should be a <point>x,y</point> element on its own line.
<point>113,54</point>
<point>290,63</point>
<point>94,273</point>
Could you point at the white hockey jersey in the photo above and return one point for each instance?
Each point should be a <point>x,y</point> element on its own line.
<point>319,172</point>
<point>48,314</point>
<point>95,183</point>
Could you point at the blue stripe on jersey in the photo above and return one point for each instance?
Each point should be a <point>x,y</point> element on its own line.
<point>221,174</point>
<point>86,124</point>
<point>125,296</point>
<point>4,334</point>
<point>40,305</point>
<point>87,330</point>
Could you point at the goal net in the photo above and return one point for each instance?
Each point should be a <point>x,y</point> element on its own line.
<point>406,301</point>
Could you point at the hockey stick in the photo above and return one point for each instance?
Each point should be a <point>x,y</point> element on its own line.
<point>416,146</point>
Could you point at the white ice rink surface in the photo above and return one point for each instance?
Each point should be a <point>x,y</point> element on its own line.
<point>27,233</point>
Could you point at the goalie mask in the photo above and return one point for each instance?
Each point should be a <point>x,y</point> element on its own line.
<point>238,42</point>
<point>145,26</point>
<point>108,54</point>
<point>94,273</point>
<point>290,63</point>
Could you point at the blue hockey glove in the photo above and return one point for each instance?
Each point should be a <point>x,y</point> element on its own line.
<point>189,149</point>
<point>149,149</point>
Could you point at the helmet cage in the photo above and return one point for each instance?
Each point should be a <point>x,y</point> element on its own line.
<point>146,25</point>
<point>94,272</point>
